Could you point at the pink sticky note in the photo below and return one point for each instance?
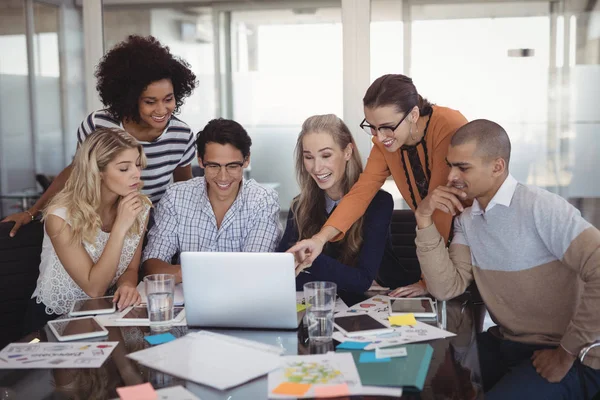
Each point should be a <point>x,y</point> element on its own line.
<point>332,390</point>
<point>145,391</point>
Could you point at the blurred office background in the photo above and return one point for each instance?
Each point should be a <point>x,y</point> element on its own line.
<point>532,66</point>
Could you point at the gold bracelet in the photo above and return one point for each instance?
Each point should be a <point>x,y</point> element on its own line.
<point>32,216</point>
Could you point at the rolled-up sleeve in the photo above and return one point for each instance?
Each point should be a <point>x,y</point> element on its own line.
<point>264,227</point>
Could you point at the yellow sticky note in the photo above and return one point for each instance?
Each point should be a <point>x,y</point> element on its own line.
<point>300,307</point>
<point>402,320</point>
<point>292,389</point>
<point>144,391</point>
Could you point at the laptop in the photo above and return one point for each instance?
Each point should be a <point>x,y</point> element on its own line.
<point>240,290</point>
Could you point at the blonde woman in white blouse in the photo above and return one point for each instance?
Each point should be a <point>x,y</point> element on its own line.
<point>93,229</point>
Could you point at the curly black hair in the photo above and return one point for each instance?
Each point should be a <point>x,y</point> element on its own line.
<point>129,67</point>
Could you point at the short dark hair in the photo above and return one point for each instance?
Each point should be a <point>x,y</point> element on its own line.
<point>491,140</point>
<point>396,90</point>
<point>223,131</point>
<point>129,67</point>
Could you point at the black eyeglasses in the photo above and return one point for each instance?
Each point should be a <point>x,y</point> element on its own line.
<point>232,168</point>
<point>385,130</point>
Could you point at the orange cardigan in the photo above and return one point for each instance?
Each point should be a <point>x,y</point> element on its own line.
<point>381,164</point>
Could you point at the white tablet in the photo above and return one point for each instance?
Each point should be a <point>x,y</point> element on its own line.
<point>76,328</point>
<point>421,307</point>
<point>360,325</point>
<point>139,314</point>
<point>98,305</point>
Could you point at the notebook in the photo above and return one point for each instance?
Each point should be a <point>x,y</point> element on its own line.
<point>407,372</point>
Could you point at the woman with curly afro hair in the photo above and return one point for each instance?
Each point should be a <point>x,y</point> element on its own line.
<point>142,86</point>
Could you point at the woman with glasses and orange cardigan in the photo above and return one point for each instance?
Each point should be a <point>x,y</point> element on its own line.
<point>411,138</point>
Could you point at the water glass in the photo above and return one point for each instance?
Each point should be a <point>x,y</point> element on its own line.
<point>160,290</point>
<point>320,299</point>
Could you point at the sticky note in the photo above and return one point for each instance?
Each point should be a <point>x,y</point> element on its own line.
<point>332,390</point>
<point>348,345</point>
<point>144,391</point>
<point>369,357</point>
<point>292,389</point>
<point>300,307</point>
<point>403,320</point>
<point>159,339</point>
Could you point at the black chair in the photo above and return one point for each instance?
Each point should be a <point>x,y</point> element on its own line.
<point>19,270</point>
<point>403,232</point>
<point>44,180</point>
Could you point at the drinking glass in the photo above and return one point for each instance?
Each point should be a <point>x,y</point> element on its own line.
<point>320,300</point>
<point>160,289</point>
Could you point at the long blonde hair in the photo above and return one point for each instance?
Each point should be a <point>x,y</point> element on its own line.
<point>309,206</point>
<point>81,194</point>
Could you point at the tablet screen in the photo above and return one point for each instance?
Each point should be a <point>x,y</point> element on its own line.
<point>411,306</point>
<point>76,326</point>
<point>358,323</point>
<point>100,303</point>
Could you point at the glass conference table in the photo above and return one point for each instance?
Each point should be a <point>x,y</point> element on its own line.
<point>453,374</point>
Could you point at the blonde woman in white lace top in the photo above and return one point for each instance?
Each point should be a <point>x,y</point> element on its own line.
<point>93,229</point>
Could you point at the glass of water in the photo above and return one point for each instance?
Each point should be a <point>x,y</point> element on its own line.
<point>160,289</point>
<point>320,300</point>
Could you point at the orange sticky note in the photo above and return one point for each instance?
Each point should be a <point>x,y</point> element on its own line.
<point>332,390</point>
<point>145,391</point>
<point>402,320</point>
<point>292,389</point>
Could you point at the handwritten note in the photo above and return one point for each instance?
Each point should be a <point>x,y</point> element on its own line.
<point>144,391</point>
<point>292,389</point>
<point>403,320</point>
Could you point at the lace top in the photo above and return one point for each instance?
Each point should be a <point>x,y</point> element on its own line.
<point>55,287</point>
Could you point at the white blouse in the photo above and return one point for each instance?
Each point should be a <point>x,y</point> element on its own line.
<point>55,287</point>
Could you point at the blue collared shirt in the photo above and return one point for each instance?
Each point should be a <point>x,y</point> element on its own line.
<point>185,221</point>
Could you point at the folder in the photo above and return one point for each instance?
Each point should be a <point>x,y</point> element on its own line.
<point>407,372</point>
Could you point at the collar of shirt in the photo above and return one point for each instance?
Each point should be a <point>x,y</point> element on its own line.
<point>503,196</point>
<point>330,204</point>
<point>205,201</point>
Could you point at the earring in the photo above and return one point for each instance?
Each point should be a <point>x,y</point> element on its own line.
<point>410,132</point>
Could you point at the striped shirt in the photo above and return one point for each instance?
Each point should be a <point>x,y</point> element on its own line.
<point>175,147</point>
<point>185,221</point>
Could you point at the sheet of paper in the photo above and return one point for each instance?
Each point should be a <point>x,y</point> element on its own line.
<point>177,299</point>
<point>225,362</point>
<point>378,308</point>
<point>160,339</point>
<point>55,355</point>
<point>145,391</point>
<point>320,375</point>
<point>402,320</point>
<point>176,393</point>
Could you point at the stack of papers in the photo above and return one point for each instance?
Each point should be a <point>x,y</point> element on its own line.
<point>301,305</point>
<point>55,355</point>
<point>406,328</point>
<point>211,359</point>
